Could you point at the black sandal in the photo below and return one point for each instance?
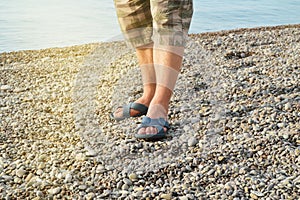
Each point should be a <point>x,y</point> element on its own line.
<point>159,124</point>
<point>126,111</point>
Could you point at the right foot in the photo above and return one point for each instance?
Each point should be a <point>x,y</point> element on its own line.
<point>155,112</point>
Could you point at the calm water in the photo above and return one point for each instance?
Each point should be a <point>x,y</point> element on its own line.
<point>35,24</point>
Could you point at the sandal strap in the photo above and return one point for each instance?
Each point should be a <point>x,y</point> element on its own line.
<point>136,106</point>
<point>158,123</point>
<point>139,107</point>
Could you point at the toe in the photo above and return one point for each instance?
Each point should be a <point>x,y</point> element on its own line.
<point>153,130</point>
<point>118,113</point>
<point>149,130</point>
<point>142,131</point>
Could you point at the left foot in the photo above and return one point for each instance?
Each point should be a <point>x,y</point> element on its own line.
<point>135,109</point>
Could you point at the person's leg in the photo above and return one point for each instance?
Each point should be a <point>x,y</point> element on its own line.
<point>145,59</point>
<point>167,68</point>
<point>171,21</point>
<point>136,24</point>
<point>135,21</point>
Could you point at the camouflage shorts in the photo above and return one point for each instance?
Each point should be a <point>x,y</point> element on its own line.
<point>164,22</point>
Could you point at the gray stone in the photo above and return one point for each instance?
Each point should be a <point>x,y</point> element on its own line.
<point>127,181</point>
<point>192,141</point>
<point>125,187</point>
<point>82,187</point>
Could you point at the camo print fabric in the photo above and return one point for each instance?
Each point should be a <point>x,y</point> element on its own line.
<point>164,22</point>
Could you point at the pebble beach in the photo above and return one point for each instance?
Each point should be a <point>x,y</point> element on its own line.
<point>234,115</point>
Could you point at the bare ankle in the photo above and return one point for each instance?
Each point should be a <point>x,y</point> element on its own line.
<point>157,111</point>
<point>149,89</point>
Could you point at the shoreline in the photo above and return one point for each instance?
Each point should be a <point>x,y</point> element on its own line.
<point>191,35</point>
<point>239,30</point>
<point>234,115</point>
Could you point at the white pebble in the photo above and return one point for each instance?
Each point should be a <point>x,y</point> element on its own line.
<point>5,87</point>
<point>20,173</point>
<point>54,191</point>
<point>80,157</point>
<point>68,178</point>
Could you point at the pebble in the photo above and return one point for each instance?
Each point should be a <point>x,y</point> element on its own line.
<point>80,157</point>
<point>39,172</point>
<point>287,106</point>
<point>285,136</point>
<point>17,180</point>
<point>91,153</point>
<point>20,173</point>
<point>119,184</point>
<point>183,198</point>
<point>39,194</point>
<point>166,196</point>
<point>221,158</point>
<point>5,87</point>
<point>133,177</point>
<point>257,193</point>
<point>68,178</point>
<point>54,191</point>
<point>82,187</point>
<point>41,166</point>
<point>281,125</point>
<point>192,141</point>
<point>127,181</point>
<point>29,177</point>
<point>186,128</point>
<point>125,187</point>
<point>139,189</point>
<point>253,196</point>
<point>90,196</point>
<point>100,169</point>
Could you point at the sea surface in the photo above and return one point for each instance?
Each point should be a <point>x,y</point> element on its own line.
<point>37,24</point>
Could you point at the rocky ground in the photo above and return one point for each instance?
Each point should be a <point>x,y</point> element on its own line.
<point>235,122</point>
